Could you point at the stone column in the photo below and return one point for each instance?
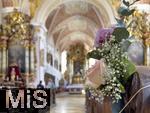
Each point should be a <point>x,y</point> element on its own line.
<point>27,63</point>
<point>27,59</point>
<point>7,64</point>
<point>4,61</point>
<point>40,31</point>
<point>71,70</point>
<point>147,52</point>
<point>32,59</point>
<point>4,58</point>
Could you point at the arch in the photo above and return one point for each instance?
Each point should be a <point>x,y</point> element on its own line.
<point>49,6</point>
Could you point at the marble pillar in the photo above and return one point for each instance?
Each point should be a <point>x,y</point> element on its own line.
<point>32,65</point>
<point>40,32</point>
<point>71,70</point>
<point>27,59</point>
<point>147,52</point>
<point>4,57</point>
<point>27,64</point>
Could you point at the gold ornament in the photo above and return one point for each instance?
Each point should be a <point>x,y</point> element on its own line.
<point>17,26</point>
<point>139,25</point>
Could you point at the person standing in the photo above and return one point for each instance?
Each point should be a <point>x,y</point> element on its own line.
<point>40,85</point>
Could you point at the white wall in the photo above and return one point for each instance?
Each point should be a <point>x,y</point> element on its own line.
<point>56,56</point>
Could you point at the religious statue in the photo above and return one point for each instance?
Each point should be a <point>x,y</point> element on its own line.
<point>13,72</point>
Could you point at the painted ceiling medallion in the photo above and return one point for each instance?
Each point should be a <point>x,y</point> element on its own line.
<point>77,24</point>
<point>76,7</point>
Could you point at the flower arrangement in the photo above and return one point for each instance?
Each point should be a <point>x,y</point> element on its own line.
<point>108,45</point>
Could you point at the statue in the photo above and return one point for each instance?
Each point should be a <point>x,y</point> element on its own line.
<point>13,72</point>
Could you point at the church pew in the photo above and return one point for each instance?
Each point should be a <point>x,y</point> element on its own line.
<point>140,104</point>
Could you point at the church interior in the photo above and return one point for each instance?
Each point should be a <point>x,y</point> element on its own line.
<point>94,55</point>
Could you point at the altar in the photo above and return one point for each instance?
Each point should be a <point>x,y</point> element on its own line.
<point>17,49</point>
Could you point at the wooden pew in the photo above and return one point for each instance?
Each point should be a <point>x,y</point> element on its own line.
<point>140,104</point>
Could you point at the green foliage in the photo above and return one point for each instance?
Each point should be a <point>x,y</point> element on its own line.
<point>120,33</point>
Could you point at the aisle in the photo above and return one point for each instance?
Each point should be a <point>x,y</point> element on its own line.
<point>69,104</point>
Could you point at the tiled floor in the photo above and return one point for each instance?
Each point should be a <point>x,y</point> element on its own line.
<point>69,104</point>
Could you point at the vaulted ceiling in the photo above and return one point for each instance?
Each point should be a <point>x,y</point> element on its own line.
<point>74,22</point>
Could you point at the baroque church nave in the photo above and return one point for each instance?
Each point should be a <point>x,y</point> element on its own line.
<point>93,56</point>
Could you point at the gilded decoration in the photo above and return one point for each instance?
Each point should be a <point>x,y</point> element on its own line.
<point>17,26</point>
<point>17,47</point>
<point>139,25</point>
<point>34,4</point>
<point>76,53</point>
